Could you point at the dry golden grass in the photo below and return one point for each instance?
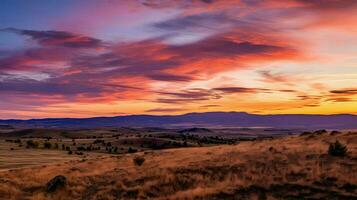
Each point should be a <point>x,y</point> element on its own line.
<point>294,167</point>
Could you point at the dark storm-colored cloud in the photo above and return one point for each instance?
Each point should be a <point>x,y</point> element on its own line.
<point>179,100</point>
<point>81,71</point>
<point>328,4</point>
<point>229,90</point>
<point>340,99</point>
<point>288,91</point>
<point>58,38</point>
<point>344,91</point>
<point>192,94</point>
<point>187,96</point>
<point>342,95</point>
<point>173,3</point>
<point>210,106</point>
<point>309,97</point>
<point>47,87</point>
<point>312,105</point>
<point>95,75</point>
<point>220,46</point>
<point>208,1</point>
<point>195,95</point>
<point>169,77</point>
<point>29,59</point>
<point>130,59</point>
<point>128,63</point>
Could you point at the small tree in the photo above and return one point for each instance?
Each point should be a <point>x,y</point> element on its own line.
<point>337,149</point>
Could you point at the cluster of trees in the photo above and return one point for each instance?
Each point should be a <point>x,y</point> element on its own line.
<point>31,144</point>
<point>115,149</point>
<point>88,148</point>
<point>13,141</point>
<point>111,149</point>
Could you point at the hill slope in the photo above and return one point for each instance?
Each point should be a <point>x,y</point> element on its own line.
<point>210,119</point>
<point>294,167</point>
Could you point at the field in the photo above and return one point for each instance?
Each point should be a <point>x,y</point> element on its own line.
<point>32,147</point>
<point>21,157</point>
<point>284,167</point>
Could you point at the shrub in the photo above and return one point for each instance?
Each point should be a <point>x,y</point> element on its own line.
<point>81,148</point>
<point>70,152</point>
<point>138,161</point>
<point>97,141</point>
<point>47,145</point>
<point>337,149</point>
<point>132,150</point>
<point>31,144</point>
<point>185,143</point>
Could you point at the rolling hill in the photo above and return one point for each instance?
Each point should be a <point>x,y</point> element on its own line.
<point>208,119</point>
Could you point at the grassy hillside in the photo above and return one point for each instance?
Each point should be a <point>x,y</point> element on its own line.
<point>292,167</point>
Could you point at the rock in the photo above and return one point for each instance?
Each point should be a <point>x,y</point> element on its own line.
<point>55,183</point>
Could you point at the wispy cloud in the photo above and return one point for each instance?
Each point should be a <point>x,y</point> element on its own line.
<point>58,38</point>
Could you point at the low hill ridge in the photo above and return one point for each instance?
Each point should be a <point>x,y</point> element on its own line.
<point>208,119</point>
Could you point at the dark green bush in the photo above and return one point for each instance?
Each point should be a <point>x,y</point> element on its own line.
<point>138,161</point>
<point>337,149</point>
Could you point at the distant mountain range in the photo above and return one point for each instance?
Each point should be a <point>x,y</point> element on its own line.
<point>208,119</point>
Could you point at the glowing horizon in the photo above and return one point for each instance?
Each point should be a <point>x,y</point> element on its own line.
<point>106,58</point>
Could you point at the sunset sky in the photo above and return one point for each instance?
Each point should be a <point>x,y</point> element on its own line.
<point>86,58</point>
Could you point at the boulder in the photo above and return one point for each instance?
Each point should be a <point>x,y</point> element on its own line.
<point>55,183</point>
